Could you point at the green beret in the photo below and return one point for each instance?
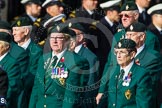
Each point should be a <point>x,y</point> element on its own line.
<point>62,29</point>
<point>129,6</point>
<point>22,21</point>
<point>136,27</point>
<point>31,1</point>
<point>5,37</point>
<point>5,25</point>
<point>77,26</point>
<point>125,43</point>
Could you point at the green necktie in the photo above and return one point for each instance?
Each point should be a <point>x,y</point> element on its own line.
<point>48,72</point>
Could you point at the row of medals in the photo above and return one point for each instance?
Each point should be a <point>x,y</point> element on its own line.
<point>59,72</point>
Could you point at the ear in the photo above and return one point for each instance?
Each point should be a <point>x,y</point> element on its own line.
<point>26,32</point>
<point>132,54</point>
<point>80,38</point>
<point>136,16</point>
<point>142,37</point>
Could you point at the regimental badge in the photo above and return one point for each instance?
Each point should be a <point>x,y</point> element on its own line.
<point>70,24</point>
<point>58,28</point>
<point>128,94</point>
<point>119,44</point>
<point>131,27</point>
<point>127,7</point>
<point>18,23</point>
<point>62,81</point>
<point>137,61</point>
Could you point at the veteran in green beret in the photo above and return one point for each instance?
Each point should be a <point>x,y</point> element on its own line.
<point>145,57</point>
<point>21,32</point>
<point>11,67</point>
<point>57,82</point>
<point>129,85</point>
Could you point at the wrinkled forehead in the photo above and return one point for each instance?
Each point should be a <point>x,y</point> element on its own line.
<point>120,49</point>
<point>127,12</point>
<point>56,34</point>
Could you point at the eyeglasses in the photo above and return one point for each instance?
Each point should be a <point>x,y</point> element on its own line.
<point>56,38</point>
<point>122,53</point>
<point>125,15</point>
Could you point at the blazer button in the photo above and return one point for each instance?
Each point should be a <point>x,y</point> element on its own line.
<point>113,105</point>
<point>45,96</point>
<point>44,106</point>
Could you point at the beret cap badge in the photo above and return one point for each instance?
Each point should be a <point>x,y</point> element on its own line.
<point>131,27</point>
<point>127,7</point>
<point>70,24</point>
<point>119,44</point>
<point>58,28</point>
<point>18,23</point>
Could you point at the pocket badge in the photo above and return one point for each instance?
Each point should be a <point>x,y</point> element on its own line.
<point>128,94</point>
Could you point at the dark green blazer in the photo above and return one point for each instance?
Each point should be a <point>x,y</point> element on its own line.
<point>92,78</point>
<point>54,94</point>
<point>20,55</point>
<point>136,95</point>
<point>151,60</point>
<point>34,52</point>
<point>10,65</point>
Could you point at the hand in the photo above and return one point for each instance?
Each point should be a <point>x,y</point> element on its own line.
<point>98,97</point>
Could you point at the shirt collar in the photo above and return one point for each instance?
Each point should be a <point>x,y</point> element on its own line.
<point>159,29</point>
<point>127,68</point>
<point>59,55</point>
<point>108,20</point>
<point>140,9</point>
<point>89,11</point>
<point>26,44</point>
<point>77,49</point>
<point>3,56</point>
<point>32,18</point>
<point>140,49</point>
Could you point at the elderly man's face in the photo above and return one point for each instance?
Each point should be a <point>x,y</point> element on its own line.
<point>123,56</point>
<point>127,18</point>
<point>20,34</point>
<point>57,42</point>
<point>138,37</point>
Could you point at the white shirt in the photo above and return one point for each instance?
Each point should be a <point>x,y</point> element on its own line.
<point>108,20</point>
<point>26,44</point>
<point>127,69</point>
<point>77,49</point>
<point>159,29</point>
<point>140,49</point>
<point>140,9</point>
<point>58,55</point>
<point>3,56</point>
<point>90,12</point>
<point>32,18</point>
